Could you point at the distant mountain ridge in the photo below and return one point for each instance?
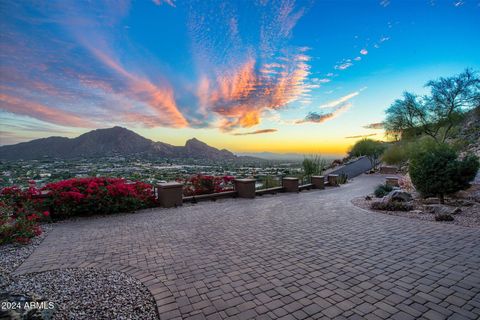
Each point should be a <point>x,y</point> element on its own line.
<point>108,142</point>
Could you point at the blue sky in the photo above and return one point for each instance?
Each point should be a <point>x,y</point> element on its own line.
<point>281,76</point>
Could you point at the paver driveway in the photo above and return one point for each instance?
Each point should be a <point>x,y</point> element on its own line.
<point>290,256</point>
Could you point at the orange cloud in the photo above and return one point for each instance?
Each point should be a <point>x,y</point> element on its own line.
<point>160,99</point>
<point>42,112</point>
<point>240,97</point>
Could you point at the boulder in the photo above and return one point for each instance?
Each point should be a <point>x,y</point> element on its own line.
<point>440,209</point>
<point>456,211</point>
<point>462,194</point>
<point>461,203</point>
<point>398,195</point>
<point>431,201</point>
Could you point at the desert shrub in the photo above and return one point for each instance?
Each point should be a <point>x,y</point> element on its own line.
<point>437,171</point>
<point>396,154</point>
<point>202,184</point>
<point>444,217</point>
<point>342,178</point>
<point>313,165</point>
<point>88,196</point>
<point>382,190</point>
<point>270,182</point>
<point>392,206</point>
<point>400,153</point>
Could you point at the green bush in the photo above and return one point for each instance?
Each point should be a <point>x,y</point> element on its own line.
<point>382,190</point>
<point>392,206</point>
<point>396,154</point>
<point>399,153</point>
<point>370,148</point>
<point>437,171</point>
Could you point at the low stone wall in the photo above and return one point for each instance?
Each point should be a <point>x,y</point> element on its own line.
<point>388,170</point>
<point>171,194</point>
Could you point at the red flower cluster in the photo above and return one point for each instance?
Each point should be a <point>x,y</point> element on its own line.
<point>86,196</point>
<point>202,184</point>
<point>20,210</point>
<point>19,214</point>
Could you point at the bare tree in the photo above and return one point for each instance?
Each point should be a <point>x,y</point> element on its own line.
<point>435,114</point>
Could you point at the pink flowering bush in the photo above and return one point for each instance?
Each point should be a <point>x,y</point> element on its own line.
<point>88,196</point>
<point>203,184</point>
<point>22,210</point>
<point>20,213</point>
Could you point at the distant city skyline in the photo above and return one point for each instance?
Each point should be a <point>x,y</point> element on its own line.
<point>249,76</point>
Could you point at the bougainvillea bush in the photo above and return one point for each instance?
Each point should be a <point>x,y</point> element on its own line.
<point>89,196</point>
<point>204,184</point>
<point>20,213</point>
<point>22,210</point>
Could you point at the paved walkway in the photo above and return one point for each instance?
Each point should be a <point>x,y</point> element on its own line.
<point>309,255</point>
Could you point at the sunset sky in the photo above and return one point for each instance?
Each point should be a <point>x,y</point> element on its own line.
<point>249,76</point>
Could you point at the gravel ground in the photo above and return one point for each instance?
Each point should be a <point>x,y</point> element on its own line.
<point>76,293</point>
<point>89,294</point>
<point>468,217</point>
<point>13,255</point>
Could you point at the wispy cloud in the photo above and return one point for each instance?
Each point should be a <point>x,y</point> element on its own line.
<point>380,41</point>
<point>337,106</point>
<point>376,125</point>
<point>321,80</point>
<point>277,24</point>
<point>255,132</point>
<point>336,102</point>
<point>240,96</point>
<point>361,136</point>
<point>169,2</point>
<point>238,77</point>
<point>384,3</point>
<point>112,92</point>
<point>160,99</point>
<point>364,52</point>
<point>43,112</point>
<point>317,117</point>
<point>240,85</point>
<point>344,65</point>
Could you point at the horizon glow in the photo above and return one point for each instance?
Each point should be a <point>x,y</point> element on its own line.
<point>259,76</point>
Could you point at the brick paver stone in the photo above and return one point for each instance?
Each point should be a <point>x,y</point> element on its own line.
<point>299,255</point>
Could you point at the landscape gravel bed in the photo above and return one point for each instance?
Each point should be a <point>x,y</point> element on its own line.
<point>75,293</point>
<point>468,217</point>
<point>12,255</point>
<point>89,294</point>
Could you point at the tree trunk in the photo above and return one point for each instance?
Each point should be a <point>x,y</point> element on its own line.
<point>441,197</point>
